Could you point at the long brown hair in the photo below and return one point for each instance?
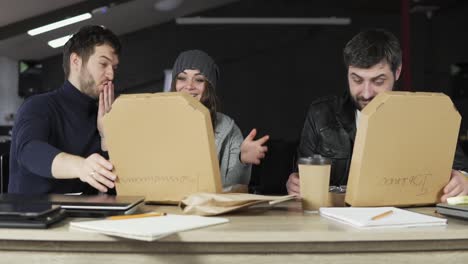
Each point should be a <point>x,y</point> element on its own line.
<point>208,99</point>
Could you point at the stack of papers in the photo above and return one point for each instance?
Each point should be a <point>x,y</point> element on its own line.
<point>147,228</point>
<point>391,217</point>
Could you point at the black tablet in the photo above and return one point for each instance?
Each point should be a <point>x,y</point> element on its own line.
<point>29,215</point>
<point>26,210</point>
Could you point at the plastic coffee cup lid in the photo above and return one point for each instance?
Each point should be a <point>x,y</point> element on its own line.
<point>314,160</point>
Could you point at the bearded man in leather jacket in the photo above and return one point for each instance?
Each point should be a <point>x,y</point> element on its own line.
<point>373,61</point>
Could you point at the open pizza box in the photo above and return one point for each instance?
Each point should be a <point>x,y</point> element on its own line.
<point>404,150</point>
<point>162,146</point>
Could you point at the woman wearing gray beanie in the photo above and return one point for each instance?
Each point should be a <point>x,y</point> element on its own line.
<point>196,73</point>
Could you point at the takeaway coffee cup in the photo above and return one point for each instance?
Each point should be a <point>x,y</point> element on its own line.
<point>314,176</point>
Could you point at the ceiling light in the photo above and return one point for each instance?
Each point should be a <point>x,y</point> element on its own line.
<point>167,5</point>
<point>59,42</point>
<point>264,20</point>
<point>100,10</point>
<point>59,24</point>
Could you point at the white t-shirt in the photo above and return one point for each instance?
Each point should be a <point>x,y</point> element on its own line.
<point>358,115</point>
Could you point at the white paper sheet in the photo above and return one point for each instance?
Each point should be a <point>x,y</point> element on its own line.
<point>361,217</point>
<point>147,228</point>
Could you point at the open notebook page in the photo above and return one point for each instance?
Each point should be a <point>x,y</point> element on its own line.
<point>361,217</point>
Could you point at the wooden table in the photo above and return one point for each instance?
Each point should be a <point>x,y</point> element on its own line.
<point>283,234</point>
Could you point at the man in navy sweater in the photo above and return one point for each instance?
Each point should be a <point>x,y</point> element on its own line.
<point>56,143</point>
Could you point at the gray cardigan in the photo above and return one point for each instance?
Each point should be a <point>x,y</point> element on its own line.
<point>228,139</point>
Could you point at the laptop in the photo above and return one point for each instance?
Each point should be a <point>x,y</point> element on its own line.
<point>459,211</point>
<point>100,205</point>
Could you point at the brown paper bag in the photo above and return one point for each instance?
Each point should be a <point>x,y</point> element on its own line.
<point>216,204</point>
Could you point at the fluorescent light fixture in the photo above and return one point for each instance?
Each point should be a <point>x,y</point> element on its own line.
<point>59,42</point>
<point>264,20</point>
<point>167,5</point>
<point>59,24</point>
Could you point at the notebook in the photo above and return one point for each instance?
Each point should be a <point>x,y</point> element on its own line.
<point>362,217</point>
<point>147,228</point>
<point>460,210</point>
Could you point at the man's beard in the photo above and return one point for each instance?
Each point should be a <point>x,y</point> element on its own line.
<point>359,102</point>
<point>88,85</point>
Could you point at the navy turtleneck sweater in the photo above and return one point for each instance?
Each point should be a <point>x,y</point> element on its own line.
<point>63,120</point>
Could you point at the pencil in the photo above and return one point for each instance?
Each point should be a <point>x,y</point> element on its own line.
<point>382,215</point>
<point>120,217</point>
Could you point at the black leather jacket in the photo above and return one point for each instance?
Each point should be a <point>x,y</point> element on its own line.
<point>330,129</point>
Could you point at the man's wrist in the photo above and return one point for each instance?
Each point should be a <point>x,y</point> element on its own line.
<point>464,173</point>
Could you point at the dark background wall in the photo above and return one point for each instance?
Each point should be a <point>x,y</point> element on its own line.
<point>438,44</point>
<point>270,74</point>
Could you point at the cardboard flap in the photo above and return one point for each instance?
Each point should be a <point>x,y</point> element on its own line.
<point>162,146</point>
<point>404,149</point>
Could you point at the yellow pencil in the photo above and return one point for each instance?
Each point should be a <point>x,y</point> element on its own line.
<point>382,215</point>
<point>120,217</point>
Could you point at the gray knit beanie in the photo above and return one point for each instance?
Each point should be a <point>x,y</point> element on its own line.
<point>196,60</point>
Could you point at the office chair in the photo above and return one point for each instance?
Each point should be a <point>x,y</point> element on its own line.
<point>270,176</point>
<point>4,172</point>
